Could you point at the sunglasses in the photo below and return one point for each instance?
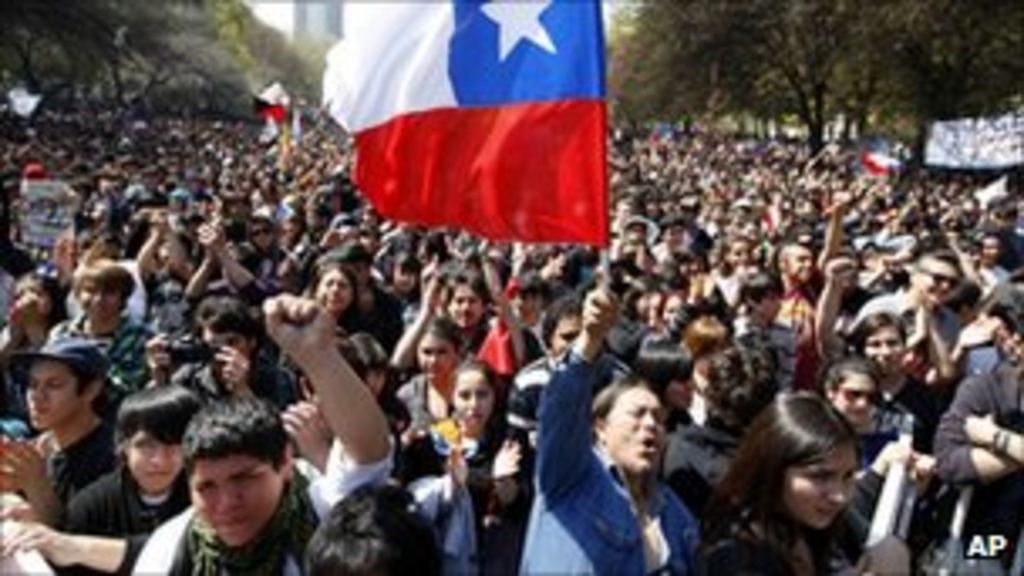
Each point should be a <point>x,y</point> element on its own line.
<point>943,279</point>
<point>857,395</point>
<point>939,277</point>
<point>260,231</point>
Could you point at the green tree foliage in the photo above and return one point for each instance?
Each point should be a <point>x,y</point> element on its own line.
<point>198,55</point>
<point>814,59</point>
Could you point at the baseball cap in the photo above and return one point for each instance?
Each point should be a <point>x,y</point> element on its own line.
<point>84,356</point>
<point>34,171</point>
<point>650,228</point>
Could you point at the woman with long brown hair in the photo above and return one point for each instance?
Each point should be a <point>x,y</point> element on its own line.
<point>777,509</point>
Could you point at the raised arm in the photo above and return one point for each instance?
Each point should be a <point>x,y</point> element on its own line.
<point>840,275</point>
<point>306,334</point>
<point>201,278</point>
<point>505,312</point>
<point>964,260</point>
<point>404,356</point>
<point>834,228</point>
<point>147,258</point>
<point>564,444</point>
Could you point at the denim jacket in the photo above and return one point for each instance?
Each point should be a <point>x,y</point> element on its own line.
<point>582,520</point>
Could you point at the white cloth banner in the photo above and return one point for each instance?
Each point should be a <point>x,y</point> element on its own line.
<point>992,193</point>
<point>23,103</point>
<point>984,143</point>
<point>275,94</point>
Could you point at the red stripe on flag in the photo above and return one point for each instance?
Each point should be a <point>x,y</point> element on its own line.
<point>276,113</point>
<point>877,164</point>
<point>529,172</point>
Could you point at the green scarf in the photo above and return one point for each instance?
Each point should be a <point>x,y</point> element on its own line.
<point>287,534</point>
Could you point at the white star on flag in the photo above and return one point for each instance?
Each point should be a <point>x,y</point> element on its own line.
<point>518,22</point>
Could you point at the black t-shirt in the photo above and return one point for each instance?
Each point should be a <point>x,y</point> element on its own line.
<point>112,507</point>
<point>923,403</point>
<point>80,464</point>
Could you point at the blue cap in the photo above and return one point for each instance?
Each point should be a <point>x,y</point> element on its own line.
<point>83,356</point>
<point>181,194</point>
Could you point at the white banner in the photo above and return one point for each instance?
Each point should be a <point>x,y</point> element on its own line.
<point>983,143</point>
<point>22,102</point>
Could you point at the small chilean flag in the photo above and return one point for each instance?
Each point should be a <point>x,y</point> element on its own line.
<point>484,116</point>
<point>272,103</point>
<point>878,163</point>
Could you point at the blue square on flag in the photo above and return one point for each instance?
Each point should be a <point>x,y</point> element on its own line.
<point>488,116</point>
<point>537,51</point>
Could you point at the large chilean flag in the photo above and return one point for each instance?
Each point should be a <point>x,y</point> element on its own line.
<point>484,116</point>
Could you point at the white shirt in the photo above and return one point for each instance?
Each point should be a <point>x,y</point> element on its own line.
<point>341,478</point>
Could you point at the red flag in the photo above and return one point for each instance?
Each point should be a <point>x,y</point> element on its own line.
<point>496,351</point>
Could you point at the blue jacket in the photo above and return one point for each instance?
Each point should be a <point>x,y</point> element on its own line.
<point>582,521</point>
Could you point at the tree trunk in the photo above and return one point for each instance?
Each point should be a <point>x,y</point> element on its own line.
<point>28,74</point>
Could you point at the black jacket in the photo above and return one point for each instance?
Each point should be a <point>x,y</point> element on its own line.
<point>696,459</point>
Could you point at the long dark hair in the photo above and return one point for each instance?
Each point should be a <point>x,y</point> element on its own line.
<point>48,283</point>
<point>494,428</point>
<point>351,318</point>
<point>795,430</point>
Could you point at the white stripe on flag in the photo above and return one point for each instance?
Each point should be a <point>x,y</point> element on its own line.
<point>362,89</point>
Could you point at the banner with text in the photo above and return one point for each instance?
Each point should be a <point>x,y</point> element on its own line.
<point>978,143</point>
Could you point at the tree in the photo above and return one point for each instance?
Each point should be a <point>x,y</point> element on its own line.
<point>212,52</point>
<point>954,58</point>
<point>816,58</point>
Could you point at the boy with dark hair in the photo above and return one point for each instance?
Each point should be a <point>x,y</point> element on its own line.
<point>250,508</point>
<point>108,522</point>
<point>66,380</point>
<point>373,531</point>
<point>760,298</point>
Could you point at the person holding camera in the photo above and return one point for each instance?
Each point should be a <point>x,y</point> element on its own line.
<point>252,511</point>
<point>225,360</point>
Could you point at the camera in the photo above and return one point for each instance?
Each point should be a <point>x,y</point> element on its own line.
<point>189,350</point>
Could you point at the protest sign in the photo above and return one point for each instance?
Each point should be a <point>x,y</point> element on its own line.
<point>47,212</point>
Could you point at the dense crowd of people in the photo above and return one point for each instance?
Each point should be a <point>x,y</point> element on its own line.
<point>230,364</point>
